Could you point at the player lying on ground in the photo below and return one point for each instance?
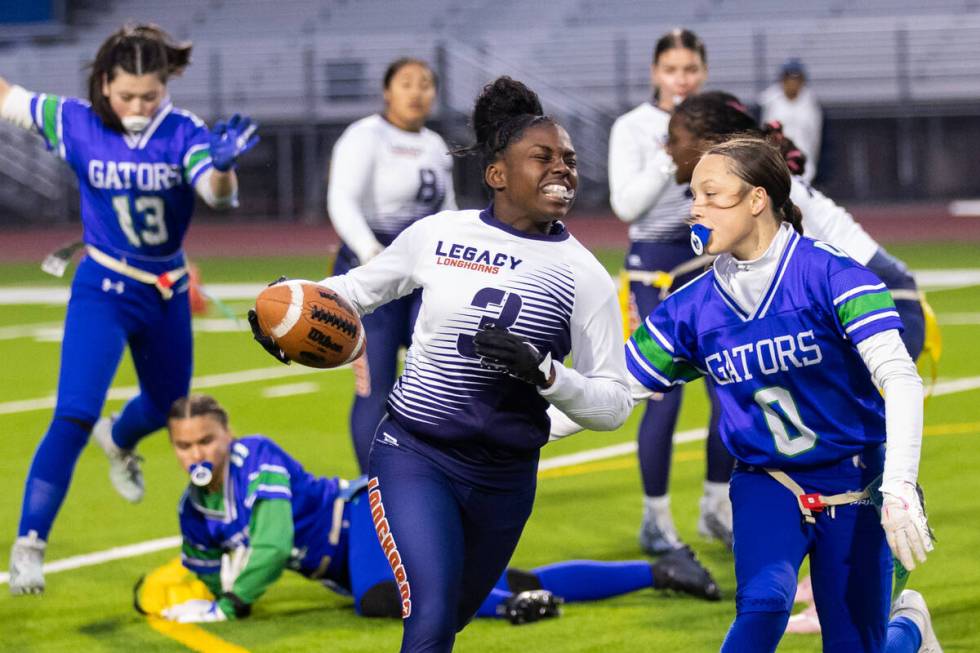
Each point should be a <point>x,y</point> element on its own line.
<point>263,508</point>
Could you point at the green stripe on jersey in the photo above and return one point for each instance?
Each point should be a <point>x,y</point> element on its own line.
<point>195,159</point>
<point>191,551</point>
<point>660,358</point>
<point>267,478</point>
<point>860,306</point>
<point>49,119</point>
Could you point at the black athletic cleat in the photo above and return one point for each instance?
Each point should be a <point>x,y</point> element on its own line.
<point>680,570</point>
<point>533,605</point>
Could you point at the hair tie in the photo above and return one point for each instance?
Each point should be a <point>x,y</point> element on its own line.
<point>738,106</point>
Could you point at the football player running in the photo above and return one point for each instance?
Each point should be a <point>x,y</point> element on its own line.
<point>778,321</point>
<point>139,162</point>
<point>643,192</point>
<point>507,294</point>
<point>386,171</point>
<point>251,500</point>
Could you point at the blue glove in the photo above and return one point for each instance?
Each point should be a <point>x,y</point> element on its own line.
<point>229,140</point>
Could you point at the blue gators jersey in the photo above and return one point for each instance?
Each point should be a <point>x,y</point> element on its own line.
<point>259,469</point>
<point>793,388</point>
<point>137,190</point>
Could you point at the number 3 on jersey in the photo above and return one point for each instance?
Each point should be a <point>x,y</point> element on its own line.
<point>510,305</point>
<point>151,207</point>
<point>782,415</point>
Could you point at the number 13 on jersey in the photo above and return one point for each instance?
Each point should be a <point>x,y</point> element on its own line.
<point>150,207</point>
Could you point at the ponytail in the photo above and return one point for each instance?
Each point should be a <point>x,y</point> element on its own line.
<point>795,159</point>
<point>502,113</point>
<point>791,213</point>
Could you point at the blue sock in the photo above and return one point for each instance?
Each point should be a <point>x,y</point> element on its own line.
<point>137,420</point>
<point>903,636</point>
<point>755,632</point>
<point>586,580</point>
<point>50,474</point>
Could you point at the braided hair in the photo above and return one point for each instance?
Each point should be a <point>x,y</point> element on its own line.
<point>138,50</point>
<point>715,116</point>
<point>758,163</point>
<point>503,112</point>
<point>198,406</point>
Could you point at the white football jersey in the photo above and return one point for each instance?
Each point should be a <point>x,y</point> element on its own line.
<point>476,272</point>
<point>642,187</point>
<point>382,179</point>
<point>824,220</point>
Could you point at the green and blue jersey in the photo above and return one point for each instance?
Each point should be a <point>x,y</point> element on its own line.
<point>794,390</point>
<point>137,190</point>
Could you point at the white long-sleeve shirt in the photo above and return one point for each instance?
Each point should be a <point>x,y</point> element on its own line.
<point>642,187</point>
<point>802,121</point>
<point>474,272</point>
<point>382,179</point>
<point>824,220</point>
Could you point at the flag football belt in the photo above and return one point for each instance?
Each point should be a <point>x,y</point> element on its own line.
<point>664,280</point>
<point>811,502</point>
<point>163,282</point>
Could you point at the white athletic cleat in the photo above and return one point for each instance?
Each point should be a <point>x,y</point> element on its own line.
<point>658,535</point>
<point>124,464</point>
<point>715,521</point>
<point>26,561</point>
<point>910,604</point>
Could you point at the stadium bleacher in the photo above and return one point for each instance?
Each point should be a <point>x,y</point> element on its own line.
<point>299,62</point>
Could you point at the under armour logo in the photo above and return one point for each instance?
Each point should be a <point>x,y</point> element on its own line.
<point>108,284</point>
<point>389,439</point>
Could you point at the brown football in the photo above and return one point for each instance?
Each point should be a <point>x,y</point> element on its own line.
<point>312,324</point>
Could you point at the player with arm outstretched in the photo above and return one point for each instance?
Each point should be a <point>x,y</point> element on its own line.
<point>644,193</point>
<point>803,344</point>
<point>139,161</point>
<point>507,293</point>
<point>386,171</point>
<point>251,500</point>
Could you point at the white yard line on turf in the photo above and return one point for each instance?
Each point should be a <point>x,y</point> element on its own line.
<point>290,389</point>
<point>197,383</point>
<point>934,279</point>
<point>612,451</point>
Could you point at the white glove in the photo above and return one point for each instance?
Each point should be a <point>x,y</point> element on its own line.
<point>232,565</point>
<point>195,611</point>
<point>905,524</point>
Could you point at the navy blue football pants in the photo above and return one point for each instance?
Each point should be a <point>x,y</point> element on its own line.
<point>850,562</point>
<point>448,537</point>
<point>387,330</point>
<point>656,434</point>
<point>106,312</point>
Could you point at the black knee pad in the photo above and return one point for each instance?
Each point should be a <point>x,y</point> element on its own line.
<point>519,581</point>
<point>78,421</point>
<point>382,600</point>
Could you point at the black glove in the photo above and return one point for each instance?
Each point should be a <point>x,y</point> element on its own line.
<point>264,340</point>
<point>260,337</point>
<point>501,350</point>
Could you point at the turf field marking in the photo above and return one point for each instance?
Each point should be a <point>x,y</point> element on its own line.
<point>108,555</point>
<point>958,319</point>
<point>197,383</point>
<point>290,389</point>
<point>934,279</point>
<point>193,637</point>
